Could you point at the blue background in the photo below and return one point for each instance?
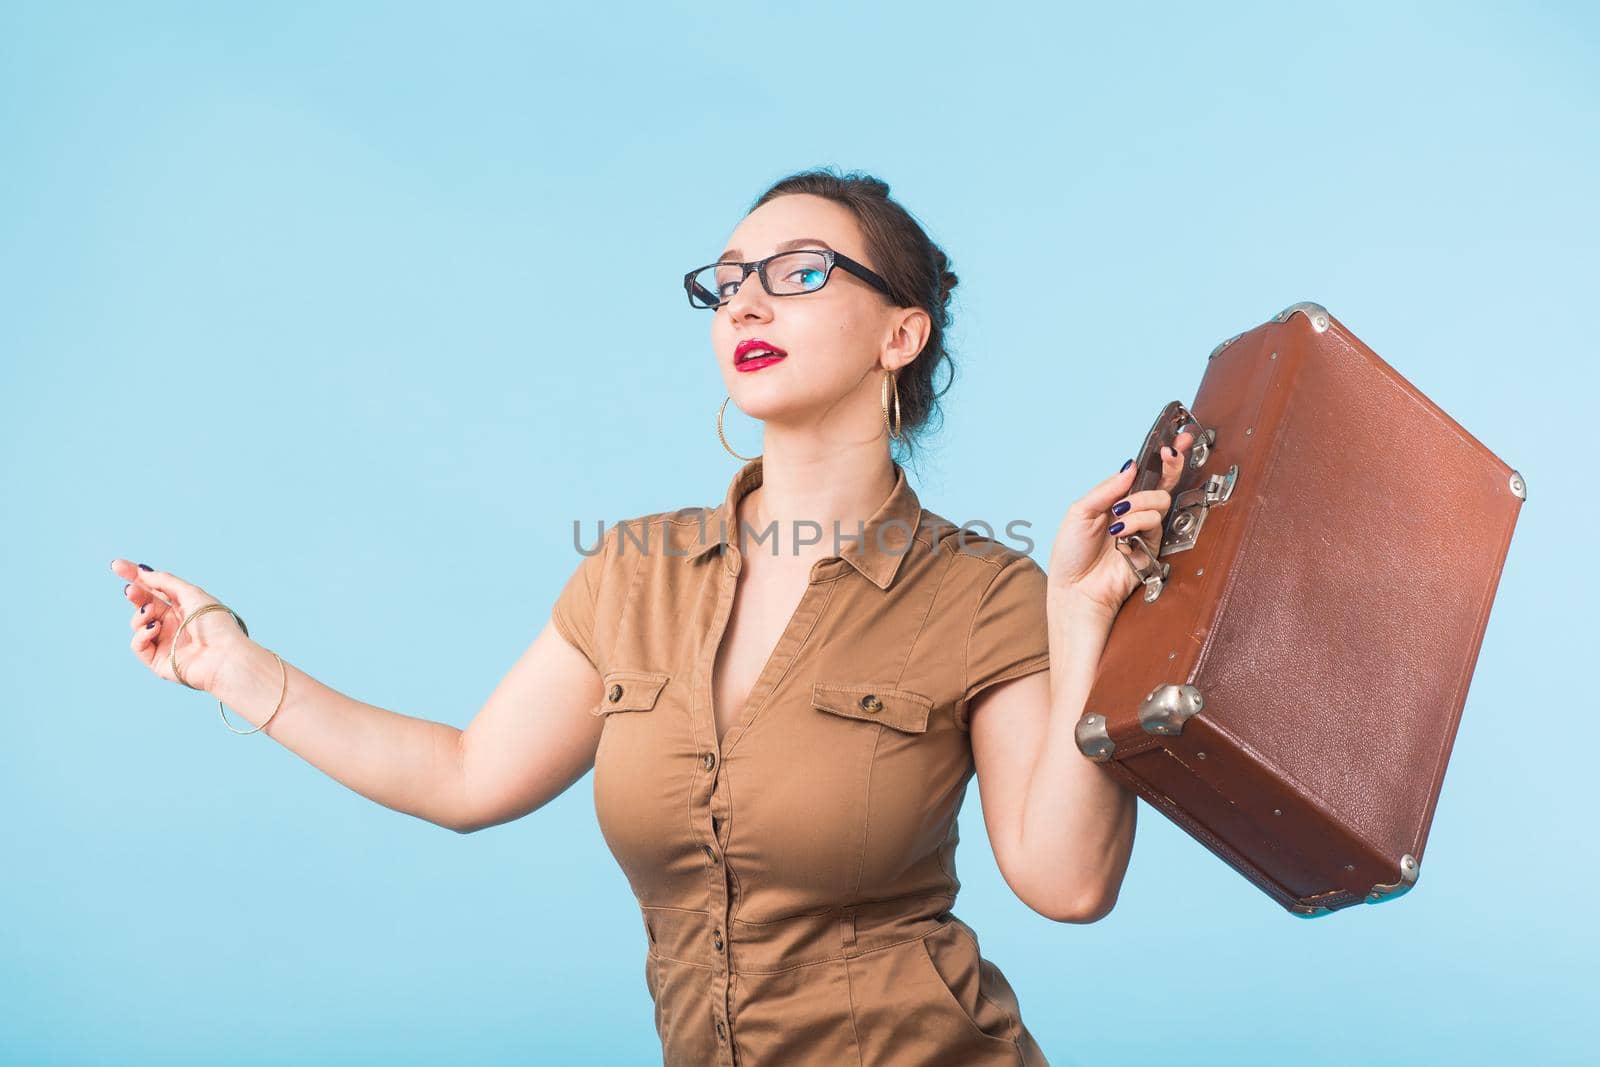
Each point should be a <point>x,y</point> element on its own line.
<point>345,312</point>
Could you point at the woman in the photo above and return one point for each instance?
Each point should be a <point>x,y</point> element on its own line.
<point>782,736</point>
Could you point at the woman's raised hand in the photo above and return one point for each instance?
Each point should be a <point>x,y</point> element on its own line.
<point>1085,561</point>
<point>161,601</point>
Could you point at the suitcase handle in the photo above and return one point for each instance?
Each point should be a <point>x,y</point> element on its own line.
<point>1182,526</point>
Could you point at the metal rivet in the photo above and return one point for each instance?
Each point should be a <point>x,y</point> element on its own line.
<point>1248,430</point>
<point>1199,572</point>
<point>1349,866</point>
<point>1273,356</point>
<point>1199,755</point>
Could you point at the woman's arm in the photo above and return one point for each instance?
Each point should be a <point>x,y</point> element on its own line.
<point>1061,828</point>
<point>533,738</point>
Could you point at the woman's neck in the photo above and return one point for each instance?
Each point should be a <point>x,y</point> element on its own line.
<point>844,485</point>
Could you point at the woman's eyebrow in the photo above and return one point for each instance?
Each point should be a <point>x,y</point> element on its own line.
<point>783,246</point>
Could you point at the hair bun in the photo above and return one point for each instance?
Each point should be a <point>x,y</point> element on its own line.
<point>875,186</point>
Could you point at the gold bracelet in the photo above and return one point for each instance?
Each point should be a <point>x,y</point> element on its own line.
<point>281,693</point>
<point>177,671</point>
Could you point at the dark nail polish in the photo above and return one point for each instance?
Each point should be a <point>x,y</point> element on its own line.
<point>1121,508</point>
<point>141,609</point>
<point>1125,466</point>
<point>146,567</point>
<point>126,588</point>
<point>149,624</point>
<point>1116,528</point>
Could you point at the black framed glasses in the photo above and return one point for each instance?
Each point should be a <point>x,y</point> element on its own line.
<point>784,274</point>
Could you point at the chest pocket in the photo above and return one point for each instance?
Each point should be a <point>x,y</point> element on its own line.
<point>626,690</point>
<point>899,709</point>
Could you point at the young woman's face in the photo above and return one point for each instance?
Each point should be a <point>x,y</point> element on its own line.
<point>838,339</point>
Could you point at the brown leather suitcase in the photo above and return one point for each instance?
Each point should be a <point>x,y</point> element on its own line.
<point>1287,684</point>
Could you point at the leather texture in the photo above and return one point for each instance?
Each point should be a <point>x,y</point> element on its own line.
<point>1330,614</point>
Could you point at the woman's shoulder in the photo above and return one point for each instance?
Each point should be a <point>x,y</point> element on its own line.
<point>976,546</point>
<point>678,530</point>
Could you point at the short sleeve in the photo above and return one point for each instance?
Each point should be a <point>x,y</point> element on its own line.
<point>1010,634</point>
<point>574,609</point>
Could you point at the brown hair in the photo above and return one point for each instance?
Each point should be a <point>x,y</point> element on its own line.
<point>917,270</point>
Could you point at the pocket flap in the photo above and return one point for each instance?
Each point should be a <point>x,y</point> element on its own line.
<point>900,708</point>
<point>625,690</point>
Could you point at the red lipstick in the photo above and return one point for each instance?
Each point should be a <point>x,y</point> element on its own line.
<point>753,353</point>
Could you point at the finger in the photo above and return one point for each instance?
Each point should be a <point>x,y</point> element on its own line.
<point>169,588</point>
<point>1101,497</point>
<point>1173,460</point>
<point>153,608</point>
<point>136,590</point>
<point>146,639</point>
<point>1144,500</point>
<point>147,605</point>
<point>1143,523</point>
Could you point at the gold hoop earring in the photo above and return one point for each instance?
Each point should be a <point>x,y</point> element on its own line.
<point>724,439</point>
<point>888,380</point>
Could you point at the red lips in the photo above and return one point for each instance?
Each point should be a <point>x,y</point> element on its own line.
<point>755,344</point>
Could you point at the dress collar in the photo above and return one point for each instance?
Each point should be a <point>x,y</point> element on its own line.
<point>885,537</point>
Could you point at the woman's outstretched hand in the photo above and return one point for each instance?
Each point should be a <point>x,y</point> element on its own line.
<point>160,602</point>
<point>1085,561</point>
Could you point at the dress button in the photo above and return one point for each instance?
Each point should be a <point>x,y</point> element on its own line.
<point>716,939</point>
<point>708,760</point>
<point>711,853</point>
<point>722,1034</point>
<point>870,702</point>
<point>616,693</point>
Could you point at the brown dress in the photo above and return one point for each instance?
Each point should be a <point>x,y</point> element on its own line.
<point>796,880</point>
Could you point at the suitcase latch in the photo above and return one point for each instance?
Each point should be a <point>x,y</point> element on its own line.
<point>1189,510</point>
<point>1182,529</point>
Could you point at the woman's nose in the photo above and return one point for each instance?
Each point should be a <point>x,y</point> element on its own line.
<point>749,299</point>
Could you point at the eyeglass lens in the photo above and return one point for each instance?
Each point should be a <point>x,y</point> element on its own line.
<point>789,273</point>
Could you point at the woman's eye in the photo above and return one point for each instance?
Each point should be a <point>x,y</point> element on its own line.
<point>810,277</point>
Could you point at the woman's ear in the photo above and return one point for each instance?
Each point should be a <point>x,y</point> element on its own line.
<point>910,332</point>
